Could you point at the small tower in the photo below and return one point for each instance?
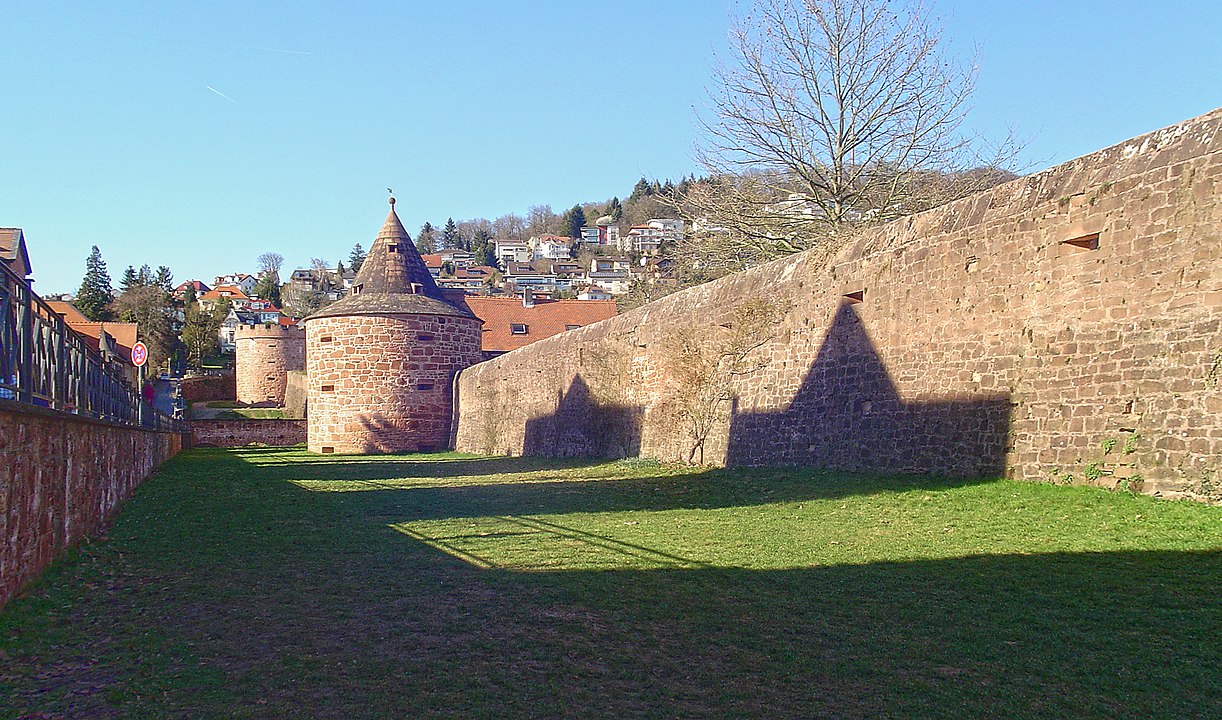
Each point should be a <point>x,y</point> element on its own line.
<point>381,361</point>
<point>264,354</point>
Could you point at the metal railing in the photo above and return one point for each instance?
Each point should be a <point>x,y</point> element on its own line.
<point>45,363</point>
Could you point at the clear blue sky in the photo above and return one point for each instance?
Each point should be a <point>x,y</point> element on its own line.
<point>110,134</point>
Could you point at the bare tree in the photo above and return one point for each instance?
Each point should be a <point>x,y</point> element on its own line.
<point>832,114</point>
<point>510,227</point>
<point>270,263</point>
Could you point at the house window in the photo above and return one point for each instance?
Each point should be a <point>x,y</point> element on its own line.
<point>518,328</point>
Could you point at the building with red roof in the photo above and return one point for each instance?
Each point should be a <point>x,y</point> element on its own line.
<point>511,323</point>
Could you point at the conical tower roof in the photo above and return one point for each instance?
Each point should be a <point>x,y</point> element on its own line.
<point>393,280</point>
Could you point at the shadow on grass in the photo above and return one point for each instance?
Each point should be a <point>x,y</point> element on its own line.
<point>224,591</point>
<point>607,486</point>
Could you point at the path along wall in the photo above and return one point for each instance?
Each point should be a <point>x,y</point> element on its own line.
<point>1062,326</point>
<point>61,478</point>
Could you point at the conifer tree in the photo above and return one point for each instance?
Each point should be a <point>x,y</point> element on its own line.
<point>449,235</point>
<point>95,293</point>
<point>426,240</point>
<point>357,257</point>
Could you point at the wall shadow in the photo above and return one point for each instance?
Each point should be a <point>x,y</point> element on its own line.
<point>848,415</point>
<point>582,426</point>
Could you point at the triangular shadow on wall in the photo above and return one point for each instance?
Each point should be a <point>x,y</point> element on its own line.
<point>848,415</point>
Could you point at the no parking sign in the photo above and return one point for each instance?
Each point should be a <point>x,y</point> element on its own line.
<point>140,354</point>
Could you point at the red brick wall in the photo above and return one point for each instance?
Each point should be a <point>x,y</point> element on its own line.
<point>983,343</point>
<point>61,477</point>
<point>236,433</point>
<point>383,383</point>
<point>199,389</point>
<point>263,357</point>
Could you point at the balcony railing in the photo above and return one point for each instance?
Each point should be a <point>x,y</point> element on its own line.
<point>45,363</point>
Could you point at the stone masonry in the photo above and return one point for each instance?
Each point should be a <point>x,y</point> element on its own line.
<point>381,361</point>
<point>1063,326</point>
<point>61,478</point>
<point>383,384</point>
<point>264,355</point>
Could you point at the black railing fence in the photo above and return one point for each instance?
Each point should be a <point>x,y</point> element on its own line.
<point>45,363</point>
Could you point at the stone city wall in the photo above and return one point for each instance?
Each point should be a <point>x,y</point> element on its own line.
<point>207,388</point>
<point>264,355</point>
<point>383,383</point>
<point>238,433</point>
<point>1061,326</point>
<point>61,478</point>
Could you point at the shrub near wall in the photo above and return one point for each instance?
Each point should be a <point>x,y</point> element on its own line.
<point>61,477</point>
<point>1063,326</point>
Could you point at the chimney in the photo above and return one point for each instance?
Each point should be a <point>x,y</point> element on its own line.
<point>528,297</point>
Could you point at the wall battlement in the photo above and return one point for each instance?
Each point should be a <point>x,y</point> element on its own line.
<point>1063,326</point>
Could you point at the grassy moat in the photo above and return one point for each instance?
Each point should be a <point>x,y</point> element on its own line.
<point>271,583</point>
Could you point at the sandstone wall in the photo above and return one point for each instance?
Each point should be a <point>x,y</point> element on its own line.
<point>61,478</point>
<point>383,383</point>
<point>203,389</point>
<point>237,433</point>
<point>1062,326</point>
<point>264,354</point>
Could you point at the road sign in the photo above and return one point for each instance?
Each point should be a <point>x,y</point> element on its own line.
<point>140,354</point>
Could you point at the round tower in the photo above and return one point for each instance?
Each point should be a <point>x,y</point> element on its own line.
<point>381,361</point>
<point>264,355</point>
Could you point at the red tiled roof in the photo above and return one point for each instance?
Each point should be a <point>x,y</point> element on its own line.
<point>235,293</point>
<point>544,319</point>
<point>66,310</point>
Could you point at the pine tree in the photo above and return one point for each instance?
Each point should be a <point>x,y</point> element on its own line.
<point>357,257</point>
<point>483,247</point>
<point>573,221</point>
<point>164,279</point>
<point>449,235</point>
<point>639,190</point>
<point>95,294</point>
<point>130,279</point>
<point>426,241</point>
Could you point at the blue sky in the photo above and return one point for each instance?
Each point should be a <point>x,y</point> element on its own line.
<point>199,135</point>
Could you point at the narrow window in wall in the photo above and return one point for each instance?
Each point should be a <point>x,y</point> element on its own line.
<point>1086,243</point>
<point>853,298</point>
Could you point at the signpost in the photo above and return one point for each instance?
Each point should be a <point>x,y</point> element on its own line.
<point>140,355</point>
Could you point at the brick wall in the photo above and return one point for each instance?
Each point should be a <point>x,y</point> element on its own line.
<point>983,337</point>
<point>202,389</point>
<point>237,433</point>
<point>383,383</point>
<point>61,477</point>
<point>264,355</point>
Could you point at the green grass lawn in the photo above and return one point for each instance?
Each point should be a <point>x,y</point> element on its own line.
<point>270,583</point>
